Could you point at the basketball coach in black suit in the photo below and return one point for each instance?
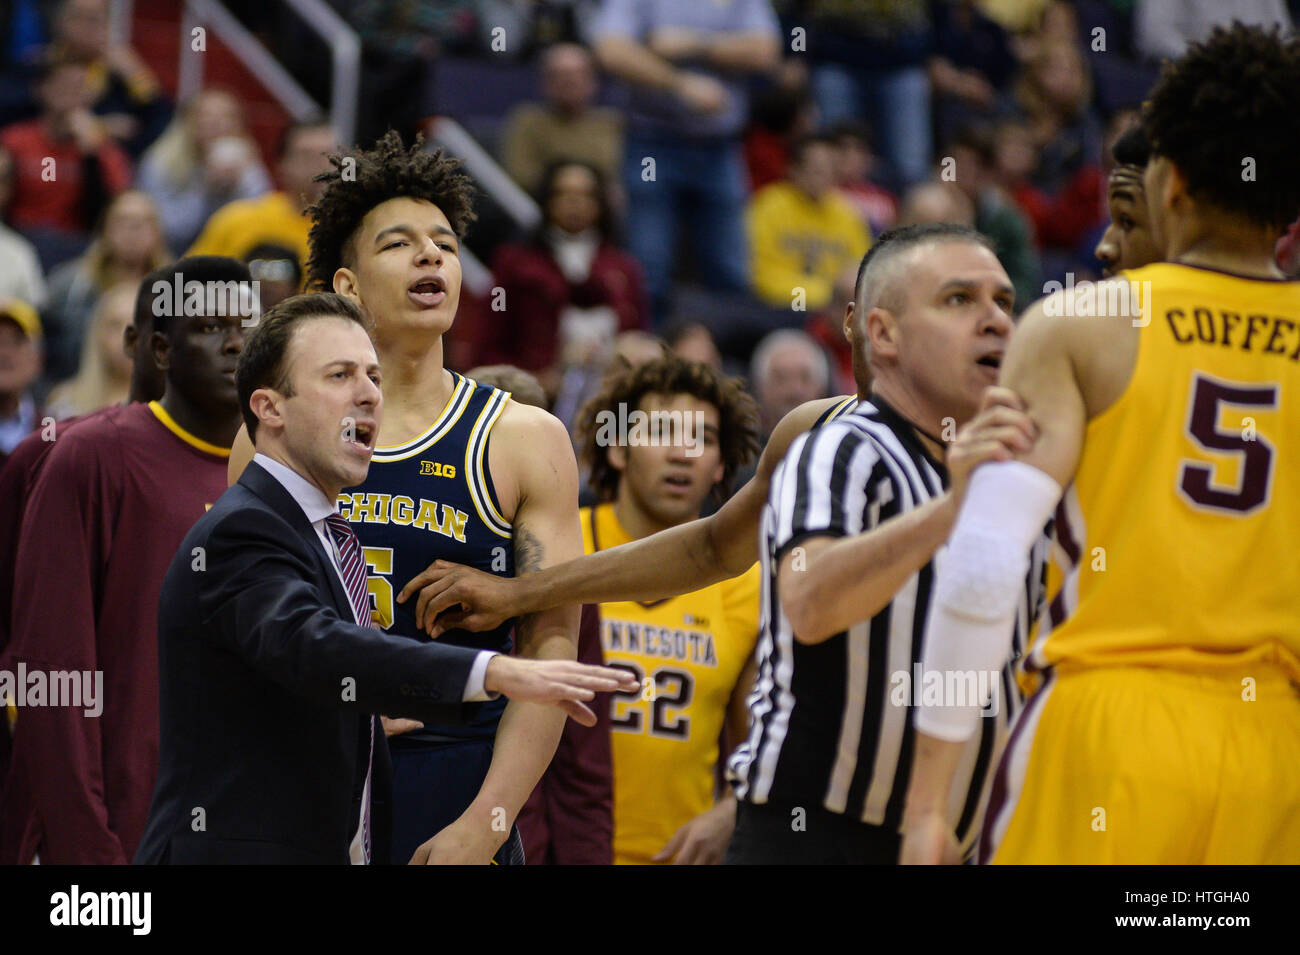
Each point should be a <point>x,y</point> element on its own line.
<point>270,672</point>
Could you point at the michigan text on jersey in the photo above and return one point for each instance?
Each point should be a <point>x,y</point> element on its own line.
<point>425,514</point>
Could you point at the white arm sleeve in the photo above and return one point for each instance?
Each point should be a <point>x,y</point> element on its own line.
<point>969,628</point>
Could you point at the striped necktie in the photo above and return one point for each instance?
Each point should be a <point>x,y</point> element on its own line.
<point>354,580</point>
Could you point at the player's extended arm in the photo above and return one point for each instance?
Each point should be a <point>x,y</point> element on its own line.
<point>674,561</point>
<point>969,629</point>
<point>546,530</point>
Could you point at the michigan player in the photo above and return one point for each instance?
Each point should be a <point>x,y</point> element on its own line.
<point>1167,725</point>
<point>692,654</point>
<point>461,473</point>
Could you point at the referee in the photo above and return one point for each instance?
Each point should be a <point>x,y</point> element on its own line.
<point>856,512</point>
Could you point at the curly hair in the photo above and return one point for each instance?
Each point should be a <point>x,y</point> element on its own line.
<point>670,375</point>
<point>1227,99</point>
<point>388,171</point>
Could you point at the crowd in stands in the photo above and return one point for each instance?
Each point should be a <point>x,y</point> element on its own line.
<point>708,174</point>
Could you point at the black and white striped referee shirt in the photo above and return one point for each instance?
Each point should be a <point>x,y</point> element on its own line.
<point>826,727</point>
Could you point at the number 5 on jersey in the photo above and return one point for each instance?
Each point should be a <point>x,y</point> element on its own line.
<point>379,560</point>
<point>1255,467</point>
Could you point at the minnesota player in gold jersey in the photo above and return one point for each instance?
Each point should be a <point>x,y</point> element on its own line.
<point>1166,724</point>
<point>690,431</point>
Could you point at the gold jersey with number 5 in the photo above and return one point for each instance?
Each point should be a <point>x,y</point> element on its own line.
<point>1167,725</point>
<point>1176,542</point>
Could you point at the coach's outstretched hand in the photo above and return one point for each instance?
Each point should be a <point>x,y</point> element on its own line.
<point>560,682</point>
<point>999,432</point>
<point>456,597</point>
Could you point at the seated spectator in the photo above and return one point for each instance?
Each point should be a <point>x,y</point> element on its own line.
<point>566,125</point>
<point>20,365</point>
<point>67,167</point>
<point>104,376</point>
<point>935,201</point>
<point>996,213</point>
<point>124,93</point>
<point>277,272</point>
<point>278,218</point>
<point>570,290</point>
<point>779,117</point>
<point>788,368</point>
<point>202,161</point>
<point>855,158</point>
<point>21,276</point>
<point>1163,28</point>
<point>802,232</point>
<point>127,246</point>
<point>694,342</point>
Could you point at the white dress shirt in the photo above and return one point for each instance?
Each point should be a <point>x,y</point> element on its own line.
<point>316,507</point>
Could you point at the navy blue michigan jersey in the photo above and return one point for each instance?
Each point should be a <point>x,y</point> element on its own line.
<point>432,499</point>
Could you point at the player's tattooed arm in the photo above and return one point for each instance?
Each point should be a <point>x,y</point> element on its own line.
<point>530,452</point>
<point>530,555</point>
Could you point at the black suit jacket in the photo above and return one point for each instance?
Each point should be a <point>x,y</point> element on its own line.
<point>267,687</point>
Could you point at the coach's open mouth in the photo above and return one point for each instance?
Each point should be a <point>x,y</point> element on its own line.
<point>990,361</point>
<point>364,434</point>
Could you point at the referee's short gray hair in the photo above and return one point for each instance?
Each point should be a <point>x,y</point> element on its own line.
<point>873,284</point>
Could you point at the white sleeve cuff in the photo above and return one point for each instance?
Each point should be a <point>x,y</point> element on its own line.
<point>474,690</point>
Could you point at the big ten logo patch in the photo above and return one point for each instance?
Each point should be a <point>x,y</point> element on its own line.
<point>437,469</point>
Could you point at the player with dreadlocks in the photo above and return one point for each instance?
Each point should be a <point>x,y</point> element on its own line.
<point>460,472</point>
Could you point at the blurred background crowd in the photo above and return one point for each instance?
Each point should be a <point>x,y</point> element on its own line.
<point>703,175</point>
